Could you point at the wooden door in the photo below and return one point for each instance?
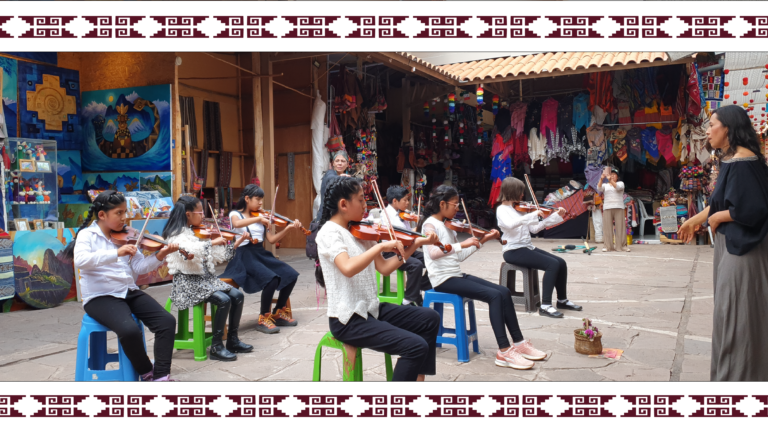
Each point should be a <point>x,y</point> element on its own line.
<point>296,139</point>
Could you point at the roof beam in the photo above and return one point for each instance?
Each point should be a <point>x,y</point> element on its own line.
<point>278,57</point>
<point>398,62</point>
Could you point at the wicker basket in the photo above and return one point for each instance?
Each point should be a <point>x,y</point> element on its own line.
<point>583,345</point>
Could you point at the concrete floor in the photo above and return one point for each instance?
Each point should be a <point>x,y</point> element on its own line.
<point>655,303</point>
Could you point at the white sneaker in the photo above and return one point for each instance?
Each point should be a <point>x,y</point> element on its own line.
<point>512,359</point>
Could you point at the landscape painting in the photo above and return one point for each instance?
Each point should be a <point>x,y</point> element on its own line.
<point>69,171</point>
<point>9,94</point>
<point>43,277</point>
<point>73,215</point>
<point>119,181</point>
<point>127,129</point>
<point>160,182</point>
<point>49,104</point>
<point>161,207</point>
<point>154,226</point>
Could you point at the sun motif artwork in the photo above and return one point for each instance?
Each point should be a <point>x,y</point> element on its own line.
<point>51,103</point>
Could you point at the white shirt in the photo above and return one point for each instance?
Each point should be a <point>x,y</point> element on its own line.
<point>516,227</point>
<point>613,198</point>
<point>447,265</point>
<point>256,229</point>
<point>346,296</point>
<point>102,272</point>
<point>394,216</point>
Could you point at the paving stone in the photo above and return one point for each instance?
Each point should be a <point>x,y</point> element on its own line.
<point>697,364</point>
<point>631,372</point>
<point>571,375</point>
<point>27,371</point>
<point>658,358</point>
<point>694,347</point>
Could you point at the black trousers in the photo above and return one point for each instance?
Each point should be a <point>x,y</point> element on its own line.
<point>282,297</point>
<point>115,313</point>
<point>417,280</point>
<point>228,303</point>
<point>500,306</point>
<point>555,270</point>
<point>410,332</point>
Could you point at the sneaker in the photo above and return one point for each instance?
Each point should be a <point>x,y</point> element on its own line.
<point>282,318</point>
<point>527,350</point>
<point>605,250</point>
<point>266,324</point>
<point>512,359</point>
<point>626,249</point>
<point>166,378</point>
<point>147,376</point>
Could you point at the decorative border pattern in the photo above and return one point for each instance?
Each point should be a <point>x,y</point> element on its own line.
<point>385,406</point>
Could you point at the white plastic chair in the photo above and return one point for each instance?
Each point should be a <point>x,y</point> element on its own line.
<point>644,217</point>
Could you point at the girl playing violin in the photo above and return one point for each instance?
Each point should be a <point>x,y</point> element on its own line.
<point>108,283</point>
<point>517,228</point>
<point>346,268</point>
<point>446,276</point>
<point>195,281</point>
<point>255,269</point>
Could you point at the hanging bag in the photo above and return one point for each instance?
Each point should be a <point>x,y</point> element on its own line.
<point>336,141</point>
<point>254,177</point>
<point>198,182</point>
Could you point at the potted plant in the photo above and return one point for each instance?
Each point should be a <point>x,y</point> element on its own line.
<point>588,339</point>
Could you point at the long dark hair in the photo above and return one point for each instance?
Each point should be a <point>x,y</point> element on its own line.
<point>338,189</point>
<point>105,201</point>
<point>177,221</point>
<point>432,206</point>
<point>740,131</point>
<point>251,191</point>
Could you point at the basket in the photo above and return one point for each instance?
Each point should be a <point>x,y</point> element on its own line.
<point>583,345</point>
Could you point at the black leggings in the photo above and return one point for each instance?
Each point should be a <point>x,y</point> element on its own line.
<point>115,313</point>
<point>500,306</point>
<point>227,303</point>
<point>555,270</point>
<point>269,291</point>
<point>410,332</point>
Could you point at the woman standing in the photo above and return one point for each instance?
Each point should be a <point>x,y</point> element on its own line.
<point>613,211</point>
<point>340,163</point>
<point>738,216</point>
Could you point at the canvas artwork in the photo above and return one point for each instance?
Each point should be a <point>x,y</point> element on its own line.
<point>119,181</point>
<point>160,182</point>
<point>69,171</point>
<point>49,104</point>
<point>134,209</point>
<point>73,215</point>
<point>154,226</point>
<point>43,277</point>
<point>161,207</point>
<point>144,198</point>
<point>9,94</point>
<point>127,129</point>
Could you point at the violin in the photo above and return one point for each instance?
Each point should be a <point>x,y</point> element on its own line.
<point>444,248</point>
<point>149,242</point>
<point>370,231</point>
<point>279,220</point>
<point>408,216</point>
<point>527,207</point>
<point>203,233</point>
<point>229,234</point>
<point>459,226</point>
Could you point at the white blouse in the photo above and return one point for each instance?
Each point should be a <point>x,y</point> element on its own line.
<point>613,198</point>
<point>256,229</point>
<point>516,227</point>
<point>346,296</point>
<point>440,266</point>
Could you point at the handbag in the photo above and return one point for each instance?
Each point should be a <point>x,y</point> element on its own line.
<point>254,178</point>
<point>336,141</point>
<point>311,248</point>
<point>198,182</point>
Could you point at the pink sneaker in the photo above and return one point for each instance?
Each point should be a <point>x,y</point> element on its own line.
<point>527,350</point>
<point>512,359</point>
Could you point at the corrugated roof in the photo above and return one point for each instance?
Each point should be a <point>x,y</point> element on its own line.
<point>539,64</point>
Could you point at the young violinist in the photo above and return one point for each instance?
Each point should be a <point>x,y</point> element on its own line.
<point>108,275</point>
<point>517,228</point>
<point>346,268</point>
<point>446,276</point>
<point>255,269</point>
<point>195,280</point>
<point>399,200</point>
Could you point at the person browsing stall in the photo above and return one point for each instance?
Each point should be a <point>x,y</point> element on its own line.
<point>614,222</point>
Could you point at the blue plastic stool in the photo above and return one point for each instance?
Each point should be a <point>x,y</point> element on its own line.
<point>92,356</point>
<point>462,336</point>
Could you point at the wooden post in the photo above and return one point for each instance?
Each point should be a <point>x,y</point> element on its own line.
<point>406,104</point>
<point>176,150</point>
<point>258,130</point>
<point>267,176</point>
<point>188,150</point>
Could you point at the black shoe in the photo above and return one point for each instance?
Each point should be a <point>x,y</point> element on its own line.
<point>561,305</point>
<point>219,352</point>
<point>235,345</point>
<point>546,313</point>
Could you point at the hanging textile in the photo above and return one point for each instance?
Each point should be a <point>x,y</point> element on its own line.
<point>203,173</point>
<point>518,110</point>
<point>549,116</point>
<point>581,111</point>
<point>211,126</point>
<point>533,116</point>
<point>694,97</point>
<point>565,118</point>
<point>187,108</point>
<point>649,142</point>
<point>600,86</point>
<point>537,147</point>
<point>225,169</point>
<point>501,169</point>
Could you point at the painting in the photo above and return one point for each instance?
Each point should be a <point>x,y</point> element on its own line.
<point>49,104</point>
<point>9,94</point>
<point>133,208</point>
<point>43,166</point>
<point>127,129</point>
<point>119,181</point>
<point>160,181</point>
<point>43,277</point>
<point>161,207</point>
<point>144,197</point>
<point>27,165</point>
<point>154,226</point>
<point>73,215</point>
<point>69,172</point>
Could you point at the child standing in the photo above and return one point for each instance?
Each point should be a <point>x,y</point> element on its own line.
<point>195,281</point>
<point>517,228</point>
<point>446,276</point>
<point>108,284</point>
<point>347,270</point>
<point>255,269</point>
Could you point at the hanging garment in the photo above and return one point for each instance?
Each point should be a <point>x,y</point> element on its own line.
<point>581,112</point>
<point>593,173</point>
<point>652,116</point>
<point>502,120</point>
<point>518,110</point>
<point>667,114</point>
<point>640,118</point>
<point>649,142</point>
<point>596,137</point>
<point>694,97</point>
<point>664,140</point>
<point>549,116</point>
<point>225,169</point>
<point>520,153</point>
<point>600,88</point>
<point>681,102</point>
<point>537,147</point>
<point>501,168</point>
<point>565,117</point>
<point>533,116</point>
<point>624,114</point>
<point>598,115</point>
<point>211,126</point>
<point>635,143</point>
<point>187,108</point>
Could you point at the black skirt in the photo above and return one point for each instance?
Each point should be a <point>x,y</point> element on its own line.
<point>254,267</point>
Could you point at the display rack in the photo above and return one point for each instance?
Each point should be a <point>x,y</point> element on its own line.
<point>31,189</point>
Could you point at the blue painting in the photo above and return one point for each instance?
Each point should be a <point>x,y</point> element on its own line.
<point>49,104</point>
<point>9,94</point>
<point>69,171</point>
<point>161,207</point>
<point>43,277</point>
<point>160,181</point>
<point>119,181</point>
<point>127,129</point>
<point>43,57</point>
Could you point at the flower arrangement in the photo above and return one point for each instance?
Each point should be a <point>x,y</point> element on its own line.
<point>588,330</point>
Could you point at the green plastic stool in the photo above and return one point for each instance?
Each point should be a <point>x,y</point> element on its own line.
<point>354,373</point>
<point>385,294</point>
<point>198,339</point>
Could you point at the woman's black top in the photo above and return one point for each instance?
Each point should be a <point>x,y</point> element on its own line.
<point>329,175</point>
<point>742,189</point>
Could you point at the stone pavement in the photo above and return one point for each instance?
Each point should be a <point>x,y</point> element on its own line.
<point>654,303</point>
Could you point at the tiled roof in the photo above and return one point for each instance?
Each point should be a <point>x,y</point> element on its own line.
<point>539,64</point>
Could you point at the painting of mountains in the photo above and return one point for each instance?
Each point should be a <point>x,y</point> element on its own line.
<point>127,129</point>
<point>160,182</point>
<point>119,181</point>
<point>9,93</point>
<point>69,171</point>
<point>43,277</point>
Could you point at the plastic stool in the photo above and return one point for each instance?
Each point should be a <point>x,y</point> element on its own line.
<point>198,339</point>
<point>387,296</point>
<point>463,337</point>
<point>92,356</point>
<point>531,295</point>
<point>354,373</point>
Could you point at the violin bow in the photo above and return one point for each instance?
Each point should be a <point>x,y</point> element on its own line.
<point>533,195</point>
<point>272,213</point>
<point>469,222</point>
<point>214,218</point>
<point>377,193</point>
<point>141,234</point>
